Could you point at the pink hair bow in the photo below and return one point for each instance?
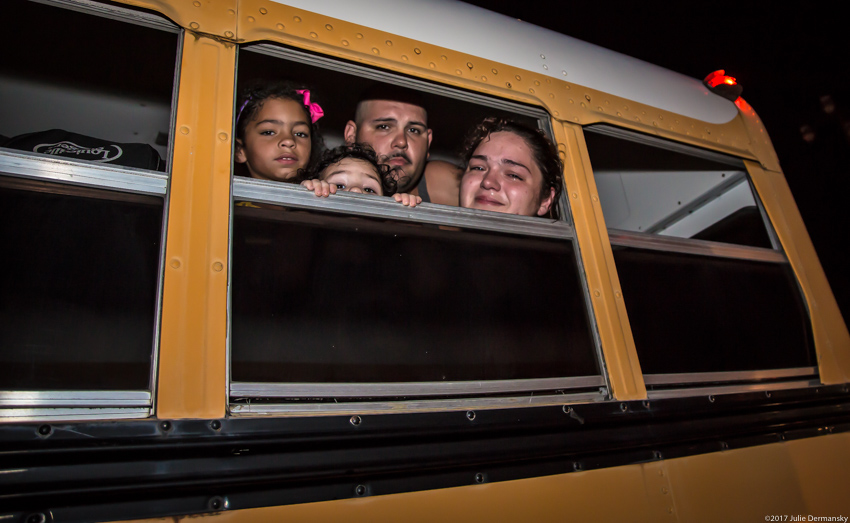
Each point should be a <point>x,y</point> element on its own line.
<point>316,111</point>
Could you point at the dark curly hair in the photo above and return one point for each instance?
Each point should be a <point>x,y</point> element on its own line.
<point>544,152</point>
<point>357,151</point>
<point>251,100</point>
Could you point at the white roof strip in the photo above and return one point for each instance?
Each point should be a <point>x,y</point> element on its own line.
<point>476,31</point>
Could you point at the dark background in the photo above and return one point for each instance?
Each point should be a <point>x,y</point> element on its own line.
<point>790,60</point>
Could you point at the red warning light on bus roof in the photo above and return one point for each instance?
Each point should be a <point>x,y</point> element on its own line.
<point>726,86</point>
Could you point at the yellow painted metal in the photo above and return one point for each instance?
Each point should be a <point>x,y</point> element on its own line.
<point>802,477</point>
<point>215,18</point>
<point>192,361</point>
<point>832,340</point>
<point>618,346</point>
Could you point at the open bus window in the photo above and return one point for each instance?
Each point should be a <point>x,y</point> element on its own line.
<point>710,302</point>
<point>85,87</point>
<point>660,191</point>
<point>352,299</point>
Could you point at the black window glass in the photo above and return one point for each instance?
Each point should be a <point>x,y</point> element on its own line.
<point>328,298</point>
<point>77,287</point>
<point>707,314</point>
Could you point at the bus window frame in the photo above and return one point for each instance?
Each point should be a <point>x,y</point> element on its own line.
<point>240,394</point>
<point>109,404</point>
<point>676,385</point>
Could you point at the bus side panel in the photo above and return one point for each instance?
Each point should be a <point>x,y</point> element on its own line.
<point>806,476</point>
<point>832,340</point>
<point>192,368</point>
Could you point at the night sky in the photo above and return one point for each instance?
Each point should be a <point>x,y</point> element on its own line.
<point>791,62</point>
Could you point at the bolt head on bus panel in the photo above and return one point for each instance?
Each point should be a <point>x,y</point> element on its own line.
<point>721,84</point>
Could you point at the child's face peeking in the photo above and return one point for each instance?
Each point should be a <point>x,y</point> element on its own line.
<point>353,175</point>
<point>277,141</point>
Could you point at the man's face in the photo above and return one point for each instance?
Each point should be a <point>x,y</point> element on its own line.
<point>398,132</point>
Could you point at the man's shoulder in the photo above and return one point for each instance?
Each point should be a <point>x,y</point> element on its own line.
<point>443,182</point>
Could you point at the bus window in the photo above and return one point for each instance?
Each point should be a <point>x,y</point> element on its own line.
<point>354,300</point>
<point>710,301</point>
<point>83,240</point>
<point>81,94</point>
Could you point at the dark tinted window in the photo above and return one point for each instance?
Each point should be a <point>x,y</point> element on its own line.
<point>329,298</point>
<point>706,314</point>
<point>78,282</point>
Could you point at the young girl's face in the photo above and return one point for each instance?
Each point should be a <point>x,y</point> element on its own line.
<point>277,141</point>
<point>353,175</point>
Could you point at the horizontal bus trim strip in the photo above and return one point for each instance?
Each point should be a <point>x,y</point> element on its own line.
<point>86,174</point>
<point>431,388</point>
<point>703,377</point>
<point>245,189</point>
<point>658,242</point>
<point>57,398</point>
<point>730,389</point>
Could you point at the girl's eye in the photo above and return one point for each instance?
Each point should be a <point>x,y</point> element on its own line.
<point>515,176</point>
<point>267,133</point>
<point>340,186</point>
<point>370,190</point>
<point>302,134</point>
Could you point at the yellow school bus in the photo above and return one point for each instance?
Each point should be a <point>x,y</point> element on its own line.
<point>667,349</point>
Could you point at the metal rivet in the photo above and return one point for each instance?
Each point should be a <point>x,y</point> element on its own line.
<point>165,425</point>
<point>360,490</point>
<point>196,4</point>
<point>355,420</point>
<point>711,399</point>
<point>458,72</point>
<point>375,50</point>
<point>645,403</point>
<point>417,51</point>
<point>45,430</point>
<point>518,78</point>
<point>296,19</point>
<point>215,425</point>
<point>531,91</point>
<point>217,503</point>
<point>567,409</point>
<point>483,78</point>
<point>217,266</point>
<point>389,43</point>
<point>359,36</point>
<point>194,25</point>
<point>470,415</point>
<point>594,198</point>
<point>543,56</point>
<point>36,518</point>
<point>656,454</point>
<point>223,136</point>
<point>556,113</point>
<point>175,263</point>
<point>345,43</point>
<point>281,26</point>
<point>508,84</point>
<point>552,95</point>
<point>184,130</point>
<point>329,27</point>
<point>228,34</point>
<point>624,407</point>
<point>404,57</point>
<point>576,466</point>
<point>587,97</point>
<point>432,65</point>
<point>263,10</point>
<point>597,293</point>
<point>767,394</point>
<point>575,195</point>
<point>664,490</point>
<point>313,35</point>
<point>494,71</point>
<point>617,294</point>
<point>469,65</point>
<point>251,19</point>
<point>479,478</point>
<point>724,445</point>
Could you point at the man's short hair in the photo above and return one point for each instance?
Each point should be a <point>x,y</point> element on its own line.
<point>392,93</point>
